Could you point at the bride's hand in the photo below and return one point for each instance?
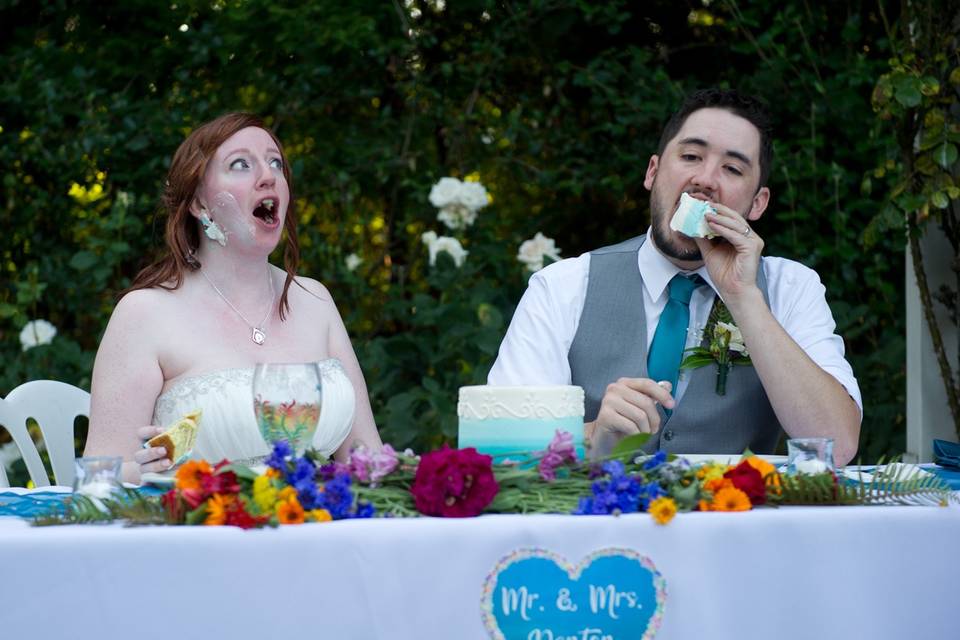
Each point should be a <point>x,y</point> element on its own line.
<point>152,459</point>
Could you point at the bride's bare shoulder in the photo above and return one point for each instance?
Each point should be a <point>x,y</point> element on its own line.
<point>310,291</point>
<point>142,304</point>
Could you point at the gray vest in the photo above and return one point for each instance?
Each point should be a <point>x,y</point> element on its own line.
<point>611,343</point>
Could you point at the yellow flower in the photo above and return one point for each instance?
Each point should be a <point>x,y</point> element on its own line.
<point>289,511</point>
<point>663,510</point>
<point>730,499</point>
<point>321,515</point>
<point>264,493</point>
<point>217,509</point>
<point>710,471</point>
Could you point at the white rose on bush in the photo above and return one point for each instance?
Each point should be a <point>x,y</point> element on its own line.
<point>37,332</point>
<point>436,244</point>
<point>533,251</point>
<point>458,201</point>
<point>352,261</point>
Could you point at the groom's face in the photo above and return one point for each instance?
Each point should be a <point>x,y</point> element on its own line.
<point>715,156</point>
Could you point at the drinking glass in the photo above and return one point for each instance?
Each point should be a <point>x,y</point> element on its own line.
<point>810,455</point>
<point>98,478</point>
<point>286,402</point>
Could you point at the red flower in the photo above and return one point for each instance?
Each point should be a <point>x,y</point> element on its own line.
<point>454,483</point>
<point>749,480</point>
<point>173,505</point>
<point>220,481</point>
<point>237,516</point>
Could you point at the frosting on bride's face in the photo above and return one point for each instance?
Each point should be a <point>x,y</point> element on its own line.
<point>244,190</point>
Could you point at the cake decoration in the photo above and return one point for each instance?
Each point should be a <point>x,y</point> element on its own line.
<point>689,218</point>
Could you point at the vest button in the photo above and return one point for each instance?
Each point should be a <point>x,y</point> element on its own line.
<point>668,435</point>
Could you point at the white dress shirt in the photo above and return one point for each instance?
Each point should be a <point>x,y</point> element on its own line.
<point>534,351</point>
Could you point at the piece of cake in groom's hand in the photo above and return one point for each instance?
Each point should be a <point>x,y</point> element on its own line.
<point>179,438</point>
<point>689,219</point>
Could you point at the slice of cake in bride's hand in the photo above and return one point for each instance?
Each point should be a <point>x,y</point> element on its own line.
<point>689,218</point>
<point>178,439</point>
<point>510,423</point>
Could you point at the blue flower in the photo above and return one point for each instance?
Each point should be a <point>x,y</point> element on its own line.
<point>303,470</point>
<point>364,510</point>
<point>655,460</point>
<point>337,497</point>
<point>278,457</point>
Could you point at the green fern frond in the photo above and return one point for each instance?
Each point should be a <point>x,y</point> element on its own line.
<point>887,487</point>
<point>128,505</point>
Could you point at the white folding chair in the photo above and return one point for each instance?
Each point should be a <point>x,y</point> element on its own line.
<point>54,405</point>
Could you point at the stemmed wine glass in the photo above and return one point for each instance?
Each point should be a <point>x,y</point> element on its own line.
<point>286,402</point>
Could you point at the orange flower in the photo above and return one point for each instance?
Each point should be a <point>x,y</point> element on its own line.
<point>217,509</point>
<point>703,505</point>
<point>189,475</point>
<point>289,511</point>
<point>321,515</point>
<point>272,473</point>
<point>717,484</point>
<point>769,472</point>
<point>286,493</point>
<point>730,499</point>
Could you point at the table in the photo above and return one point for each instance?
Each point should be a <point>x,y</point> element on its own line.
<point>797,572</point>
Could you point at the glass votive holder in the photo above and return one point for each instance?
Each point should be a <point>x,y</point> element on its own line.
<point>810,455</point>
<point>98,477</point>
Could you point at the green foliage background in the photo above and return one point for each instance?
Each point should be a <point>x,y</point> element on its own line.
<point>555,104</point>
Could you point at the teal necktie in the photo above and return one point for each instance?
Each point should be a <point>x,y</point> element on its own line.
<point>666,350</point>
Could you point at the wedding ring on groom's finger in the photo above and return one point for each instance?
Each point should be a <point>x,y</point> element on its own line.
<point>747,231</point>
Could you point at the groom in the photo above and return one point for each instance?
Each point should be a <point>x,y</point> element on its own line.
<point>616,321</point>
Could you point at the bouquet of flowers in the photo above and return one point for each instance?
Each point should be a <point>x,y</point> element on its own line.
<point>463,483</point>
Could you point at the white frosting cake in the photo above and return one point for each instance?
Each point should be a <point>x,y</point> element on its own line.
<point>508,422</point>
<point>689,219</point>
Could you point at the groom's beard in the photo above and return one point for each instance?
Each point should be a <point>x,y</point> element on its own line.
<point>663,235</point>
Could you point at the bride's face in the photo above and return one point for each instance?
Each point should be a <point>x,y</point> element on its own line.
<point>244,190</point>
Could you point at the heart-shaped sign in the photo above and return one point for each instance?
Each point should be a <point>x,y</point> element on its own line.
<point>613,594</point>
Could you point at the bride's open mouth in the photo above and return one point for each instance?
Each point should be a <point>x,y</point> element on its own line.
<point>266,211</point>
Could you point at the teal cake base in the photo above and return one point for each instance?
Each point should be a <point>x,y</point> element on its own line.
<point>515,438</point>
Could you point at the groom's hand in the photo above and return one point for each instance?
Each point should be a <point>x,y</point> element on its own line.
<point>630,406</point>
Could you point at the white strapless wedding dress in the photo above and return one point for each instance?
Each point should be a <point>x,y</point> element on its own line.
<point>228,428</point>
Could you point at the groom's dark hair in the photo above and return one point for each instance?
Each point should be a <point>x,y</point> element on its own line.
<point>748,108</point>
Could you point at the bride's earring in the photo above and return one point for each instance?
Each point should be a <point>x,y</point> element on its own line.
<point>211,229</point>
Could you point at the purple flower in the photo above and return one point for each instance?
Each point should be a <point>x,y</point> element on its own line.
<point>558,452</point>
<point>372,466</point>
<point>619,493</point>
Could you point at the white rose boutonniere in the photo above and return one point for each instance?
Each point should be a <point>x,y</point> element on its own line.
<point>726,347</point>
<point>533,251</point>
<point>36,333</point>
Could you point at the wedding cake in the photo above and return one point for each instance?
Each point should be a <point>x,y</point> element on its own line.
<point>508,422</point>
<point>179,438</point>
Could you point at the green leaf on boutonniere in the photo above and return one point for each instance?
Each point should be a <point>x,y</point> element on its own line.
<point>724,346</point>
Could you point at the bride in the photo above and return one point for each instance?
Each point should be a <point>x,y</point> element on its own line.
<point>188,332</point>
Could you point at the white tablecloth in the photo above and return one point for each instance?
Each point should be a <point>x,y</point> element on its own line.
<point>799,572</point>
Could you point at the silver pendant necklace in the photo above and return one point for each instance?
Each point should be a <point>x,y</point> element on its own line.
<point>258,335</point>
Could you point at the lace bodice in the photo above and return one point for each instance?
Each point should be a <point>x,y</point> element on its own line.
<point>228,428</point>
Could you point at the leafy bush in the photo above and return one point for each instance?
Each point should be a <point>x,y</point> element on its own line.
<point>555,104</point>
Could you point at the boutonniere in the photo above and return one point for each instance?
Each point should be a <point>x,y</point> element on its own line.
<point>725,346</point>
